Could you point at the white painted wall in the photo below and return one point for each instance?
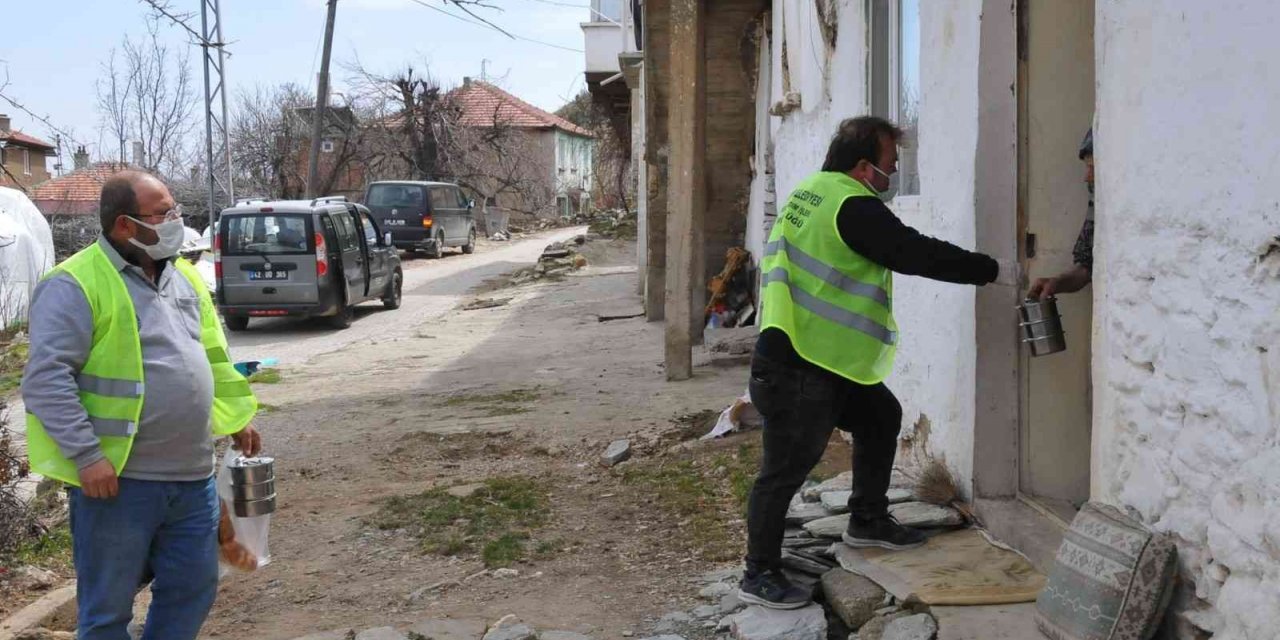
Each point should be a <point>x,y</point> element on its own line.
<point>935,372</point>
<point>1187,334</point>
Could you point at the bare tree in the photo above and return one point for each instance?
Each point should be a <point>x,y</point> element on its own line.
<point>114,87</point>
<point>419,130</point>
<point>149,97</point>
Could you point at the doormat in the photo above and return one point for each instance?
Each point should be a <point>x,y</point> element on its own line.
<point>953,568</point>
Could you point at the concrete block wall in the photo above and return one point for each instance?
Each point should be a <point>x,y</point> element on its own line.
<point>1187,372</point>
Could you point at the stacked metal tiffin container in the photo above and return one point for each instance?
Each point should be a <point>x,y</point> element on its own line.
<point>253,486</point>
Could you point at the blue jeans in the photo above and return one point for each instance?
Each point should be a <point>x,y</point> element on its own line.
<point>166,532</point>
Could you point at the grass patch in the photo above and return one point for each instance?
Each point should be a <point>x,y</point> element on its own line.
<point>706,496</point>
<point>50,551</point>
<point>496,521</point>
<point>13,359</point>
<point>266,376</point>
<point>267,408</point>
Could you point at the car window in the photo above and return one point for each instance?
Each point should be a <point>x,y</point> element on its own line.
<point>462,198</point>
<point>274,234</point>
<point>442,198</point>
<point>370,232</point>
<point>395,195</point>
<point>347,238</point>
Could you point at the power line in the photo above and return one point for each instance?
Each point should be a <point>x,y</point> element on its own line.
<point>480,22</point>
<point>563,4</point>
<point>19,106</point>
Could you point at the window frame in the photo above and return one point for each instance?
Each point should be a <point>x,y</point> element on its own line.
<point>326,146</point>
<point>885,76</point>
<point>26,162</point>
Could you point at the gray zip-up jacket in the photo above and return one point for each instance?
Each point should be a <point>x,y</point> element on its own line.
<point>173,441</point>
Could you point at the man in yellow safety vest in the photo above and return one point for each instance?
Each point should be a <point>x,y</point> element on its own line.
<point>127,385</point>
<point>828,340</point>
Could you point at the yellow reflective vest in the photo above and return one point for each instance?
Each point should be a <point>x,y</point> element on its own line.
<point>111,382</point>
<point>834,304</point>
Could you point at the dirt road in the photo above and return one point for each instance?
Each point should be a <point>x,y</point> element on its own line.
<point>520,399</point>
<point>431,289</point>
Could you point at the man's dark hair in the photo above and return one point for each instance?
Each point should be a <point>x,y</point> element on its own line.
<point>119,198</point>
<point>859,139</point>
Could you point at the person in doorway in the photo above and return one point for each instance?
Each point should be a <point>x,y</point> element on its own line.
<point>1081,272</point>
<point>828,340</point>
<point>127,384</point>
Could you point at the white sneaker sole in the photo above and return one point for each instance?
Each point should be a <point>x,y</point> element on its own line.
<point>782,606</point>
<point>868,543</point>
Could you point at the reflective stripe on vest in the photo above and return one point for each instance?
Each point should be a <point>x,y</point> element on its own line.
<point>828,311</point>
<point>826,272</point>
<point>110,385</point>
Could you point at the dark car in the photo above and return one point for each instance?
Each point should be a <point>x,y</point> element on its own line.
<point>302,258</point>
<point>423,216</point>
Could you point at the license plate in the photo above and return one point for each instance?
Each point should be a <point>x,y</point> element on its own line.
<point>269,275</point>
<point>394,223</point>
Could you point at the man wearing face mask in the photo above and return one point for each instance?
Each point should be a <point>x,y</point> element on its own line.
<point>1081,272</point>
<point>828,340</point>
<point>127,385</point>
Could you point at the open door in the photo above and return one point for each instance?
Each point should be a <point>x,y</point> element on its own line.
<point>1056,105</point>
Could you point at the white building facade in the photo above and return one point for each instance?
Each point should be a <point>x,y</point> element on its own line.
<point>1167,402</point>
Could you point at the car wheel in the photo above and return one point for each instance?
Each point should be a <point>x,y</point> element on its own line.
<point>438,251</point>
<point>236,323</point>
<point>344,317</point>
<point>392,300</point>
<point>470,246</point>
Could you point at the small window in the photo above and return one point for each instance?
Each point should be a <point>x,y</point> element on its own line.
<point>26,162</point>
<point>326,146</point>
<point>894,79</point>
<point>462,199</point>
<point>606,11</point>
<point>370,232</point>
<point>443,198</point>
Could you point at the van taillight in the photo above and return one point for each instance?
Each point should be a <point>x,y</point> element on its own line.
<point>217,256</point>
<point>427,221</point>
<point>322,256</point>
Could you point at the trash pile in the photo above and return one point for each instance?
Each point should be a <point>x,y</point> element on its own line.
<point>731,302</point>
<point>558,259</point>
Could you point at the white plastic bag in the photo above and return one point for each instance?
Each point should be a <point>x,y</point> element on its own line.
<point>250,532</point>
<point>739,414</point>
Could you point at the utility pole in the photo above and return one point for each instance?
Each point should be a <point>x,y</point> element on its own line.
<point>217,156</point>
<point>484,70</point>
<point>322,104</point>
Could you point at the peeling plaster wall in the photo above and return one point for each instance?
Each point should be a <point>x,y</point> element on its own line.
<point>935,371</point>
<point>1187,363</point>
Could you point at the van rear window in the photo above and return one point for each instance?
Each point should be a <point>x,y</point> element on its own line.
<point>396,195</point>
<point>272,234</point>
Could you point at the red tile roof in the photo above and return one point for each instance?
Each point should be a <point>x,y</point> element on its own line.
<point>81,185</point>
<point>18,137</point>
<point>482,104</point>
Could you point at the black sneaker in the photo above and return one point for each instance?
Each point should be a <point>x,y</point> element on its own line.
<point>883,532</point>
<point>772,590</point>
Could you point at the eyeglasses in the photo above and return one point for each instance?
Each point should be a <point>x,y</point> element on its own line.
<point>169,216</point>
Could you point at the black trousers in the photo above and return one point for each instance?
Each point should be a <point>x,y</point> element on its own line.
<point>801,405</point>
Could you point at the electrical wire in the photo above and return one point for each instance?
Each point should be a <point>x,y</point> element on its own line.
<point>488,25</point>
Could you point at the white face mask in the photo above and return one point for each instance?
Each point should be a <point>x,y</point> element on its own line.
<point>888,194</point>
<point>170,233</point>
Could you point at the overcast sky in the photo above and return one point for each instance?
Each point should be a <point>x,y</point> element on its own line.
<point>53,51</point>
